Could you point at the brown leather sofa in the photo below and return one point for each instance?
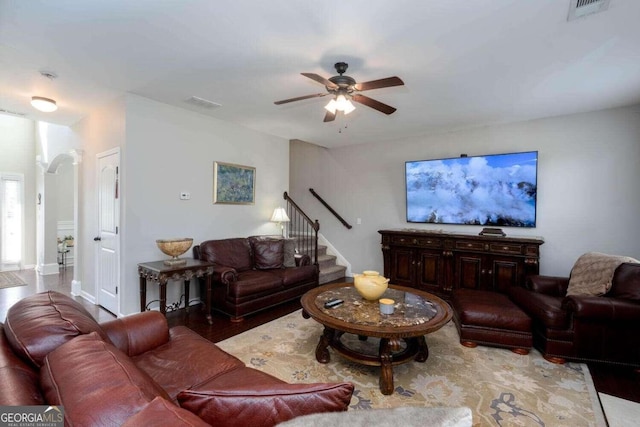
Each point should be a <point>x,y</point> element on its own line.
<point>585,328</point>
<point>255,273</point>
<point>136,371</point>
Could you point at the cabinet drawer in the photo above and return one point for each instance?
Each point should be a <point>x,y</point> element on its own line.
<point>471,246</point>
<point>425,242</point>
<point>506,248</point>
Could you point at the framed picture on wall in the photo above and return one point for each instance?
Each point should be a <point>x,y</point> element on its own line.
<point>234,184</point>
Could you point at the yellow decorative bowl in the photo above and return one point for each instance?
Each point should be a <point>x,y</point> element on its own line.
<point>174,248</point>
<point>370,284</point>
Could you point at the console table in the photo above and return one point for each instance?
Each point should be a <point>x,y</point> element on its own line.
<point>160,273</point>
<point>439,262</point>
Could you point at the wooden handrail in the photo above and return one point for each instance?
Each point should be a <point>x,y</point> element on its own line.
<point>326,205</point>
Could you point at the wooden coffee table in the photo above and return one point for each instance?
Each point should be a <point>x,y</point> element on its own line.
<point>401,334</point>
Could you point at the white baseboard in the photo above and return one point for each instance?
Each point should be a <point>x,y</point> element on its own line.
<point>47,269</point>
<point>76,288</point>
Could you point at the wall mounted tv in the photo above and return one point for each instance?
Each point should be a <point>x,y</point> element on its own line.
<point>494,190</point>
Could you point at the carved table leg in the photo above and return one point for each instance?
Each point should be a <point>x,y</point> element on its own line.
<point>186,295</point>
<point>386,368</point>
<point>163,296</point>
<point>423,350</point>
<point>143,293</point>
<point>207,304</point>
<point>322,352</point>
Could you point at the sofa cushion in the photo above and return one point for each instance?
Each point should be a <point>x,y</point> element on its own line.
<point>97,384</point>
<point>20,381</point>
<point>292,277</point>
<point>233,400</point>
<point>235,253</point>
<point>267,254</point>
<point>626,282</point>
<point>40,323</point>
<point>162,413</point>
<point>544,308</point>
<point>255,282</point>
<point>289,259</point>
<point>187,359</point>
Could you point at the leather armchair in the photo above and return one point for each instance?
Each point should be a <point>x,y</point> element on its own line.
<point>584,328</point>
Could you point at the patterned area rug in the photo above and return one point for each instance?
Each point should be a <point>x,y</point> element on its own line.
<point>500,387</point>
<point>9,280</point>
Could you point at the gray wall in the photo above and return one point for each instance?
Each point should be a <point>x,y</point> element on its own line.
<point>588,176</point>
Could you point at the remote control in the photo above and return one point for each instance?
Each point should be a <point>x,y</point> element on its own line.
<point>332,303</point>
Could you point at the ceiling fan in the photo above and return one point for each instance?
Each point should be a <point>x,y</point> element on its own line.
<point>344,90</point>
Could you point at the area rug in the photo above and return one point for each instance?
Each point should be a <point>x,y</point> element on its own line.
<point>501,387</point>
<point>9,280</point>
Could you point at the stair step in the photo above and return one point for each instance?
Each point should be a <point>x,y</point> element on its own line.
<point>332,273</point>
<point>325,261</point>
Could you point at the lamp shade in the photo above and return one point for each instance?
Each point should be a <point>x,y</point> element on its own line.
<point>279,215</point>
<point>43,104</point>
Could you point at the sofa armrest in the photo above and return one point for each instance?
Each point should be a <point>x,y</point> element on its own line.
<point>224,274</point>
<point>138,333</point>
<point>302,259</point>
<point>549,285</point>
<point>598,308</point>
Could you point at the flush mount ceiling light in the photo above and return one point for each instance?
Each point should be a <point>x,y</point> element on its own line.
<point>43,104</point>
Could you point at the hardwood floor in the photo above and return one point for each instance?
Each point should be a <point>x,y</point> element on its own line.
<point>615,381</point>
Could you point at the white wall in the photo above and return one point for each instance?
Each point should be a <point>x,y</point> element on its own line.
<point>102,130</point>
<point>588,177</point>
<point>170,150</point>
<point>17,155</point>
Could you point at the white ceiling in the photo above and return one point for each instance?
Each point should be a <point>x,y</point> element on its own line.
<point>464,63</point>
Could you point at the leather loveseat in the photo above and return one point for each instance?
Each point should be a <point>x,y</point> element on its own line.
<point>588,328</point>
<point>136,371</point>
<point>255,273</point>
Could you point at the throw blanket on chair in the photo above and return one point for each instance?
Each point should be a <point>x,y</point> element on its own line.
<point>592,273</point>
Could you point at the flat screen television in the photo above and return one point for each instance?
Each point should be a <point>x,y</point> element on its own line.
<point>494,190</point>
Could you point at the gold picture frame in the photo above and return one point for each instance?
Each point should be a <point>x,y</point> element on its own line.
<point>234,184</point>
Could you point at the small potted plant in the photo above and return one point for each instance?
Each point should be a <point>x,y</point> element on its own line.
<point>68,240</point>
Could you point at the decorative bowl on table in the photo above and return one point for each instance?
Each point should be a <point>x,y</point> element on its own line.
<point>370,284</point>
<point>174,248</point>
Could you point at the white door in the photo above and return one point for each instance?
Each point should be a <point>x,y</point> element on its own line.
<point>107,240</point>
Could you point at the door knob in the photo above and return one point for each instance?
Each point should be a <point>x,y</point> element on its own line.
<point>97,239</point>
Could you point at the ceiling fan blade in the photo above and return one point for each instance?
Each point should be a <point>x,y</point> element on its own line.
<point>376,105</point>
<point>377,84</point>
<point>329,117</point>
<point>300,98</point>
<point>321,79</point>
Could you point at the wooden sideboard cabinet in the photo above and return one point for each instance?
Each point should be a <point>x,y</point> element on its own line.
<point>439,262</point>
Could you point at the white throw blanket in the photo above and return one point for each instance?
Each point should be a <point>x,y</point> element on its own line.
<point>592,274</point>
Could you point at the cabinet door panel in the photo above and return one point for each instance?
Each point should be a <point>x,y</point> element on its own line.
<point>469,272</point>
<point>402,267</point>
<point>504,274</point>
<point>430,271</point>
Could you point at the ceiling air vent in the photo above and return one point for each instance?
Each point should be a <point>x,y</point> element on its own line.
<point>580,8</point>
<point>202,103</point>
<point>14,113</point>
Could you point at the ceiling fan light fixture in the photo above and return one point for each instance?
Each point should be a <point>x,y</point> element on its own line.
<point>340,103</point>
<point>331,106</point>
<point>43,104</point>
